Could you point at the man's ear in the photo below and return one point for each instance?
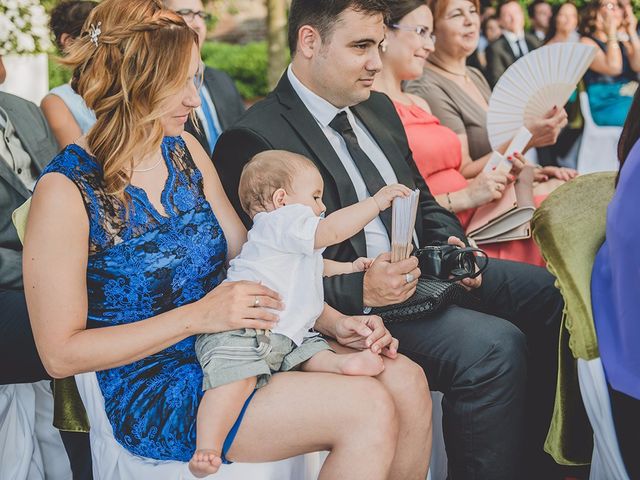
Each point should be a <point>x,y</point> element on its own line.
<point>309,41</point>
<point>279,198</point>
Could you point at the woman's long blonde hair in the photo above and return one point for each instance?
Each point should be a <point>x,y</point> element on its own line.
<point>126,74</point>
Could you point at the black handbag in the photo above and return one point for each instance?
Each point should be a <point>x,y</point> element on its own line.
<point>431,295</point>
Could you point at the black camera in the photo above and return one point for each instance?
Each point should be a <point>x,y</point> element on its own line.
<point>450,262</point>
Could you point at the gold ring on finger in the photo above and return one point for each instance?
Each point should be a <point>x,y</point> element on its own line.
<point>256,301</point>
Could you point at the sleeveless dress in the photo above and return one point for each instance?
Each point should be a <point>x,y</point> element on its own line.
<point>141,266</point>
<point>437,153</point>
<point>610,97</point>
<point>83,115</point>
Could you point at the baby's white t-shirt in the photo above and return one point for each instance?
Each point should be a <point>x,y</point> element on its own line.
<point>280,254</point>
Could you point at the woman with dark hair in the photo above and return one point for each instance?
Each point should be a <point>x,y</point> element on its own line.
<point>564,24</point>
<point>65,110</point>
<point>614,295</point>
<point>611,80</point>
<point>563,28</point>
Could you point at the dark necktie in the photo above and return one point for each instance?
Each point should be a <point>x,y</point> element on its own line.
<point>370,174</point>
<point>519,52</point>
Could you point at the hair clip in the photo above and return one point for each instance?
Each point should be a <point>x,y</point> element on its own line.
<point>94,33</point>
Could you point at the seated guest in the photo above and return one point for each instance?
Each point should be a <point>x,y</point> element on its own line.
<point>611,80</point>
<point>441,96</point>
<point>490,32</point>
<point>514,42</point>
<point>65,110</point>
<point>562,29</point>
<point>128,236</point>
<point>26,146</point>
<point>563,26</point>
<point>323,108</point>
<point>220,102</point>
<point>540,15</point>
<point>614,295</point>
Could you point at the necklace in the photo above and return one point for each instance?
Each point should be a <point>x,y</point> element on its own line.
<point>464,75</point>
<point>140,170</point>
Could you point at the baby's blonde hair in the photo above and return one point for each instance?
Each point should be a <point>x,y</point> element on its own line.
<point>265,173</point>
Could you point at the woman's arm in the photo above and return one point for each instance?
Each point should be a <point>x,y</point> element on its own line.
<point>482,189</point>
<point>470,167</point>
<point>55,265</point>
<point>609,63</point>
<point>61,120</point>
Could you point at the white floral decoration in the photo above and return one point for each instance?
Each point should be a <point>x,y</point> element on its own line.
<point>23,27</point>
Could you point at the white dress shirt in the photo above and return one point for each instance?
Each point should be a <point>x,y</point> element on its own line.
<point>514,39</point>
<point>376,235</point>
<point>14,154</point>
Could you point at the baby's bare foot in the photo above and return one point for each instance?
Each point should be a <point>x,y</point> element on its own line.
<point>205,462</point>
<point>362,363</point>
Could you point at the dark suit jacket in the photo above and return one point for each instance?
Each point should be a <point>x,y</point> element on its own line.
<point>500,56</point>
<point>281,121</point>
<point>226,99</point>
<point>33,131</point>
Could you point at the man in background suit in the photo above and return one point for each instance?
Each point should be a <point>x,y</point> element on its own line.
<point>512,44</point>
<point>221,104</point>
<point>323,108</point>
<point>26,146</point>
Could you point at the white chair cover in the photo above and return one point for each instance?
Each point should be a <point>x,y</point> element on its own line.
<point>30,447</point>
<point>599,145</point>
<point>112,462</point>
<point>606,462</point>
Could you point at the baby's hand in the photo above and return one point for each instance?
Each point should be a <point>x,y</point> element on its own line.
<point>362,264</point>
<point>386,194</point>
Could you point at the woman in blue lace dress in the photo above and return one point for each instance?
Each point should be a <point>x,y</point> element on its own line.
<point>128,235</point>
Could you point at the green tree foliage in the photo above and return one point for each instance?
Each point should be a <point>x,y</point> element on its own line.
<point>246,64</point>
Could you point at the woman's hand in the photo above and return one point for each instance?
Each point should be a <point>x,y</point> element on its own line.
<point>545,130</point>
<point>366,331</point>
<point>630,21</point>
<point>486,187</point>
<point>561,173</point>
<point>237,305</point>
<point>518,162</point>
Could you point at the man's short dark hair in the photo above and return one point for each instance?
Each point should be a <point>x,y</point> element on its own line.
<point>532,7</point>
<point>323,15</point>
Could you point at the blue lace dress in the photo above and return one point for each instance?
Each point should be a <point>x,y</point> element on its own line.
<point>139,267</point>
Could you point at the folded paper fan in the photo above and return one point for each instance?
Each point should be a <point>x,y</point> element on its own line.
<point>532,85</point>
<point>403,221</point>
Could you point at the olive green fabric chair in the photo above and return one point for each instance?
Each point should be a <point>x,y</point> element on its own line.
<point>569,227</point>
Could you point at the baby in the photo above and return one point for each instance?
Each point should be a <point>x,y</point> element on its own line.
<point>282,192</point>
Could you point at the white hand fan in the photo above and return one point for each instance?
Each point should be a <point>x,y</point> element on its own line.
<point>532,85</point>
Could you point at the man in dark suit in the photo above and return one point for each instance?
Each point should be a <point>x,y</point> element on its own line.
<point>323,108</point>
<point>512,44</point>
<point>221,104</point>
<point>26,146</point>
